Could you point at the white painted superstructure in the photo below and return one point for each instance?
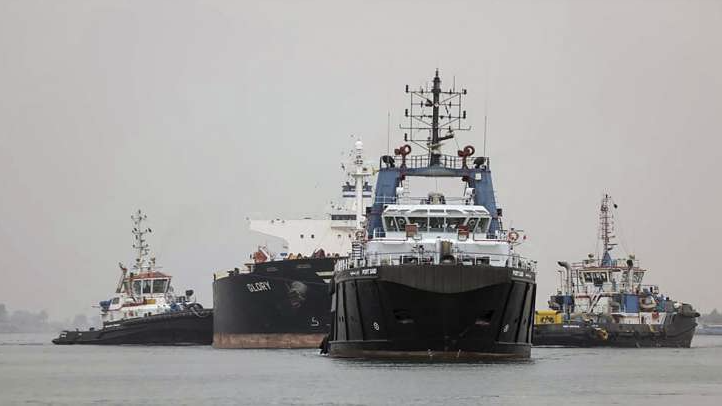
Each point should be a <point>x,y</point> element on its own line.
<point>334,233</point>
<point>436,232</point>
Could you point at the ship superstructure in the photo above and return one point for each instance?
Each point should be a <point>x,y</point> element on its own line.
<point>431,275</point>
<point>332,234</point>
<point>603,301</point>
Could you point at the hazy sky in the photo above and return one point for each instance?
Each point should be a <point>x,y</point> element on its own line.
<point>203,113</point>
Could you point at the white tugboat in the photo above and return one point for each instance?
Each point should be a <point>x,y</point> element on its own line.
<point>433,276</point>
<point>602,301</point>
<point>144,308</point>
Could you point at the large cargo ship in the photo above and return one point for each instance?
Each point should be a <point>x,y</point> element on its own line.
<point>432,276</point>
<point>145,308</point>
<point>602,301</point>
<point>280,299</point>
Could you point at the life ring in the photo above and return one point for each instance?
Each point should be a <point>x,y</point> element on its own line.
<point>513,236</point>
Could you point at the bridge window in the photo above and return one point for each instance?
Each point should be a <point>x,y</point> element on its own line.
<point>136,287</point>
<point>390,224</point>
<point>146,286</point>
<point>401,223</point>
<point>160,285</point>
<point>436,223</point>
<point>343,217</point>
<point>116,300</point>
<point>421,222</point>
<point>453,223</point>
<point>483,225</point>
<point>473,221</point>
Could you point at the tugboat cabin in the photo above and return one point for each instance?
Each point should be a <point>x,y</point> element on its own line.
<point>143,294</point>
<point>434,233</point>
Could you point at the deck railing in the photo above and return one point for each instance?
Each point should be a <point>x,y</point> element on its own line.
<point>423,161</point>
<point>459,258</point>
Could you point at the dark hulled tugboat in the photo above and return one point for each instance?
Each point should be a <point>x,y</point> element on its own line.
<point>433,276</point>
<point>144,308</point>
<point>280,299</point>
<point>602,302</point>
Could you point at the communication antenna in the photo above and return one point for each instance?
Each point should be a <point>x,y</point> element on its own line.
<point>388,132</point>
<point>485,127</point>
<point>420,119</point>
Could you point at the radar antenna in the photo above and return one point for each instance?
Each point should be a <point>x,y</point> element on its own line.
<point>420,119</point>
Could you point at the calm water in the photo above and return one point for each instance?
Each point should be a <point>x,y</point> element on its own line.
<point>34,371</point>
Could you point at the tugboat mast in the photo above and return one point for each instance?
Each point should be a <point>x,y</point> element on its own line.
<point>140,244</point>
<point>450,118</point>
<point>606,229</point>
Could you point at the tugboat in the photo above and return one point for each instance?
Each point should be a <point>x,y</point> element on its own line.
<point>433,277</point>
<point>280,300</point>
<point>144,308</point>
<point>603,302</point>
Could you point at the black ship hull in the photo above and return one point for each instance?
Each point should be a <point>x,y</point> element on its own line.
<point>188,327</point>
<point>280,304</point>
<point>436,312</point>
<point>678,332</point>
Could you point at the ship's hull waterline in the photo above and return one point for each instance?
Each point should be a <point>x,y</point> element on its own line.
<point>188,327</point>
<point>443,312</point>
<point>280,304</point>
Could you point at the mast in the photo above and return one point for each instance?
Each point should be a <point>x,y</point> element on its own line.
<point>606,229</point>
<point>360,172</point>
<point>450,118</point>
<point>140,244</point>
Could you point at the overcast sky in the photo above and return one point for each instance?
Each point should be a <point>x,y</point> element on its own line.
<point>204,113</point>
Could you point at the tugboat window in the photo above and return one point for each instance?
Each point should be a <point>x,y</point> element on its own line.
<point>390,224</point>
<point>136,287</point>
<point>146,287</point>
<point>472,224</point>
<point>436,223</point>
<point>453,223</point>
<point>116,300</point>
<point>421,222</point>
<point>483,225</point>
<point>160,285</point>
